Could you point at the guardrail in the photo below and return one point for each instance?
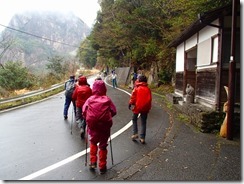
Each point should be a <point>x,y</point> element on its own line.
<point>30,97</point>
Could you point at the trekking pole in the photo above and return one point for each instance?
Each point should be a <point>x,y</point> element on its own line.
<point>111,151</point>
<point>86,135</point>
<point>72,120</point>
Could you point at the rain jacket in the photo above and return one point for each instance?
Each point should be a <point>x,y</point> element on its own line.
<point>141,98</point>
<point>82,92</point>
<point>98,111</point>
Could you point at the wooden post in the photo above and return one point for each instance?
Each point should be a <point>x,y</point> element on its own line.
<point>232,71</point>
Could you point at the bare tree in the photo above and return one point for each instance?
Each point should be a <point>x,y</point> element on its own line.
<point>6,41</point>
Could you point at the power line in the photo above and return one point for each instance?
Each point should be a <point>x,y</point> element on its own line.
<point>38,36</point>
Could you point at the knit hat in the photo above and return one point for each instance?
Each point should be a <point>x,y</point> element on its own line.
<point>72,77</point>
<point>142,78</point>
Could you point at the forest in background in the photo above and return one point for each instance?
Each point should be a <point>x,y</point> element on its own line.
<point>136,33</point>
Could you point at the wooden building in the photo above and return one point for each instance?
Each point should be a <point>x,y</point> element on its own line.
<point>203,55</point>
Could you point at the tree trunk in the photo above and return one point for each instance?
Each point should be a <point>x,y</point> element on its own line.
<point>153,76</point>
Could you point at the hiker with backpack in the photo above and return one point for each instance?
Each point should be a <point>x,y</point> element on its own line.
<point>81,94</point>
<point>140,103</point>
<point>98,111</point>
<point>69,87</point>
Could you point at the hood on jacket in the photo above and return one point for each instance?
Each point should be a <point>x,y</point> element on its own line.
<point>99,88</point>
<point>82,80</point>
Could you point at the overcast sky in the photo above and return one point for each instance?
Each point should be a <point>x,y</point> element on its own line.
<point>85,9</point>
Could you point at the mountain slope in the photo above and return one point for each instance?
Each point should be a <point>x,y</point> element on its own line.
<point>38,36</point>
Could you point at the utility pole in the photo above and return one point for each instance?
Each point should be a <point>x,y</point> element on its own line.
<point>232,72</point>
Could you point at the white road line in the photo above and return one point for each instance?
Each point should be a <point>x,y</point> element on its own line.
<point>77,155</point>
<point>71,158</point>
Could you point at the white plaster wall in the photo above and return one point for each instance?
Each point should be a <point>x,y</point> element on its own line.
<point>204,48</point>
<point>180,58</point>
<point>208,31</point>
<point>203,42</point>
<point>204,53</point>
<point>191,42</point>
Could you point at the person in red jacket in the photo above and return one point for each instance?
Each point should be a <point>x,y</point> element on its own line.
<point>141,100</point>
<point>81,94</point>
<point>98,111</point>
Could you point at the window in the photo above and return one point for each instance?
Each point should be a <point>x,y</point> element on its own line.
<point>215,50</point>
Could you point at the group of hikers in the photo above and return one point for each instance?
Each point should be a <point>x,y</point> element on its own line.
<point>94,110</point>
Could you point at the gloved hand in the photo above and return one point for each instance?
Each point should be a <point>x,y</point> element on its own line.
<point>129,106</point>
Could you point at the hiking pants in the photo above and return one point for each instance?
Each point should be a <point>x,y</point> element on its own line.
<point>143,124</point>
<point>114,81</point>
<point>67,104</point>
<point>80,119</point>
<point>102,155</point>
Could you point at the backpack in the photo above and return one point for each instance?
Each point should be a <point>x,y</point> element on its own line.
<point>69,89</point>
<point>134,76</point>
<point>98,115</point>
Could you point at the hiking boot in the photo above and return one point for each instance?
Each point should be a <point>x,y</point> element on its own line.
<point>82,133</point>
<point>142,141</point>
<point>103,170</point>
<point>65,117</point>
<point>93,166</point>
<point>134,137</point>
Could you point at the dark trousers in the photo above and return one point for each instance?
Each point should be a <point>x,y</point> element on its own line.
<point>67,104</point>
<point>143,124</point>
<point>79,118</point>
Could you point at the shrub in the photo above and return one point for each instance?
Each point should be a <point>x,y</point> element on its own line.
<point>14,76</point>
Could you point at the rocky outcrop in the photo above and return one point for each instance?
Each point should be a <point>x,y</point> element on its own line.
<point>38,36</point>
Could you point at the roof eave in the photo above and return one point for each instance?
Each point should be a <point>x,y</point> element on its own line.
<point>202,21</point>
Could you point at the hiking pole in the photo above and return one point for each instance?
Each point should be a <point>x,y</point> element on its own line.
<point>86,145</point>
<point>111,151</point>
<point>71,120</point>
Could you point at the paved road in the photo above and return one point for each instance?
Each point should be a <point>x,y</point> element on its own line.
<point>37,144</point>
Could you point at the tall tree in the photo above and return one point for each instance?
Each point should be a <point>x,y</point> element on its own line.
<point>87,54</point>
<point>137,32</point>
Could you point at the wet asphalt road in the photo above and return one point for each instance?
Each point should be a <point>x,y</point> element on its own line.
<point>36,142</point>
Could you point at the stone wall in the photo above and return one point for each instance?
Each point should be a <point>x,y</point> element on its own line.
<point>123,74</point>
<point>206,119</point>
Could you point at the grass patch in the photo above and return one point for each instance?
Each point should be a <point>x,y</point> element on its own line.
<point>23,101</point>
<point>183,117</point>
<point>162,90</point>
